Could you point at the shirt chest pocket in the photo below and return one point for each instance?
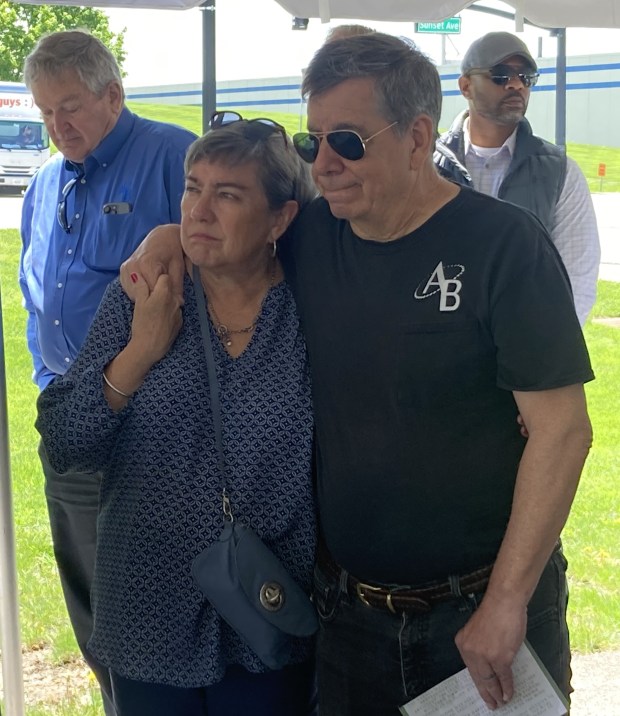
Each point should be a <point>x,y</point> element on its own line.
<point>116,237</point>
<point>443,363</point>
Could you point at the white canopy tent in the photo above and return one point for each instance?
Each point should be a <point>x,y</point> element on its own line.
<point>545,13</point>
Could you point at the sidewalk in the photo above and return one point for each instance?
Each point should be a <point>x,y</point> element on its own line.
<point>607,207</point>
<point>596,680</point>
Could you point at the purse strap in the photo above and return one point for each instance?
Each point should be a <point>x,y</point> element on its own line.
<point>214,389</point>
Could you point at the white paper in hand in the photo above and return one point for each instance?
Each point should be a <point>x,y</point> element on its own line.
<point>535,694</point>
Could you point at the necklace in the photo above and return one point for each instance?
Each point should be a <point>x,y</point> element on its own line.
<point>224,333</point>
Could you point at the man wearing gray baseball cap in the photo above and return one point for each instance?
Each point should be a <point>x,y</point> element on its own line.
<point>491,147</point>
<point>494,48</point>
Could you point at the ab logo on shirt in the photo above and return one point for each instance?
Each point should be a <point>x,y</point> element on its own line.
<point>448,287</point>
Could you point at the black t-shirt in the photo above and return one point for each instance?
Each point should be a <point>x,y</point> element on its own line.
<point>415,346</point>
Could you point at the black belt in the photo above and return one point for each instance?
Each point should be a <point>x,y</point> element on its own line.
<point>405,599</point>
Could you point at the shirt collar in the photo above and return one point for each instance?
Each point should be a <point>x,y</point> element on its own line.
<point>74,167</point>
<point>108,148</point>
<point>509,144</point>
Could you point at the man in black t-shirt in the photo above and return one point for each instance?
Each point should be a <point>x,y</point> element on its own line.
<point>433,317</point>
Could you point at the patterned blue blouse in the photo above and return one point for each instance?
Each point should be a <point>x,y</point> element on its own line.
<point>160,496</point>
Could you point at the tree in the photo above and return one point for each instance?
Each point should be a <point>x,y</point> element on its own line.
<point>22,25</point>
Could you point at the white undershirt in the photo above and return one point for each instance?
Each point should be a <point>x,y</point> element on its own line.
<point>488,165</point>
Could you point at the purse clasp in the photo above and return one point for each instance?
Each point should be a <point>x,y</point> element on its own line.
<point>272,596</point>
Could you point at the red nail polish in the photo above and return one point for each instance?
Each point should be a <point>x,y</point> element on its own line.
<point>134,277</point>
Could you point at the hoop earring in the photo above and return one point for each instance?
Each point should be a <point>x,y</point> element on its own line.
<point>274,249</point>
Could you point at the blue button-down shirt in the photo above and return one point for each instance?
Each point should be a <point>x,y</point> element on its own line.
<point>63,275</point>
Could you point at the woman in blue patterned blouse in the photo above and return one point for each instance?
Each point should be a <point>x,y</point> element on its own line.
<point>135,405</point>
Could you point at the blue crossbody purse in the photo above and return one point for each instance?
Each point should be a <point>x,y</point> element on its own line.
<point>241,577</point>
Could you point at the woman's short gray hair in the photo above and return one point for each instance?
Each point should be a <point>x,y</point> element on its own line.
<point>281,172</point>
<point>74,50</point>
<point>407,83</point>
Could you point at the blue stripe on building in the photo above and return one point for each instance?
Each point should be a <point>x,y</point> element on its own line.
<point>14,88</point>
<point>193,96</point>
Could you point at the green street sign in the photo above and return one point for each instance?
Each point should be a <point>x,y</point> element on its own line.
<point>451,26</point>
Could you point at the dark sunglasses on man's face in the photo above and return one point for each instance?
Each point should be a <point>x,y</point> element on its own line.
<point>261,127</point>
<point>502,74</point>
<point>345,142</point>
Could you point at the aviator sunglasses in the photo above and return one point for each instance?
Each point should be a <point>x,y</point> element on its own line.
<point>345,142</point>
<point>502,74</point>
<point>261,127</point>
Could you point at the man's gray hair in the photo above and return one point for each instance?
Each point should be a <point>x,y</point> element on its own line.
<point>281,172</point>
<point>341,31</point>
<point>76,50</point>
<point>407,83</point>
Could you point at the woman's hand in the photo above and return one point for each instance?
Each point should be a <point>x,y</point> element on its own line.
<point>156,323</point>
<point>159,253</point>
<point>522,426</point>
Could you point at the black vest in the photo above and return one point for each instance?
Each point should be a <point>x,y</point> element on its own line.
<point>535,177</point>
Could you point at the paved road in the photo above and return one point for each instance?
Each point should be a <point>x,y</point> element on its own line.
<point>10,210</point>
<point>607,208</point>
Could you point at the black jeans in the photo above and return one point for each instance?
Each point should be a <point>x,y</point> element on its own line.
<point>370,662</point>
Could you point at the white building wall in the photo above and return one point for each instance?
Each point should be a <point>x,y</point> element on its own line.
<point>592,97</point>
<point>277,94</point>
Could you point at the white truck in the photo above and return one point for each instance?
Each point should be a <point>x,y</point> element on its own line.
<point>24,141</point>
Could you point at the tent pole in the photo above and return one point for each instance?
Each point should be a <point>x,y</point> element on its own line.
<point>9,610</point>
<point>208,63</point>
<point>560,89</point>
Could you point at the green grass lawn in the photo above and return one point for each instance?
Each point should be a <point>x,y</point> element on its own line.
<point>591,537</point>
<point>587,156</point>
<point>592,534</point>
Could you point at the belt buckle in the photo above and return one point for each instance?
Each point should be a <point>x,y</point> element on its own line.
<point>359,589</point>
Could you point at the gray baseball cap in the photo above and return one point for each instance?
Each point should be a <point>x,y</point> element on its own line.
<point>493,48</point>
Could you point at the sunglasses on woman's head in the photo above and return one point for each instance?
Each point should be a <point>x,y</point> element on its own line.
<point>345,142</point>
<point>261,126</point>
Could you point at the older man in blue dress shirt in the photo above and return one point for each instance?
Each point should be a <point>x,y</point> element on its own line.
<point>116,176</point>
